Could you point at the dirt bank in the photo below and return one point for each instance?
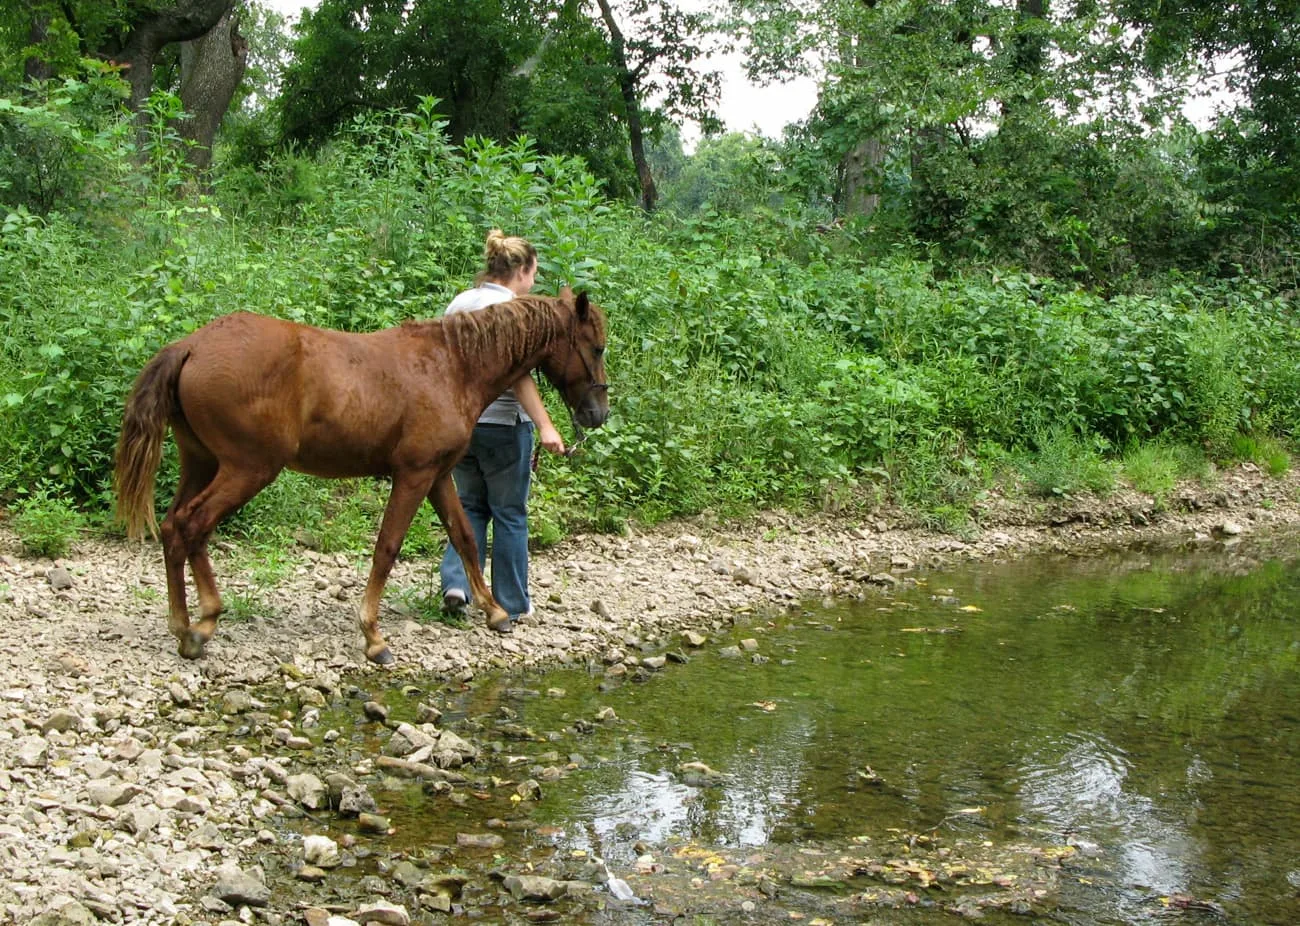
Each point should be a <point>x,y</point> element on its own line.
<point>110,803</point>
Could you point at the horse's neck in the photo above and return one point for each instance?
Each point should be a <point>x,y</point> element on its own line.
<point>498,353</point>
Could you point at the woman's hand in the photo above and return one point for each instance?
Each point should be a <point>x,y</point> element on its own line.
<point>550,438</point>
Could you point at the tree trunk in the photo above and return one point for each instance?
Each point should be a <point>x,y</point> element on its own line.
<point>211,68</point>
<point>35,68</point>
<point>627,85</point>
<point>862,177</point>
<point>150,32</point>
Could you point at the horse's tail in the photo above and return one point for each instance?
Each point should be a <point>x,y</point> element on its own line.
<point>152,404</point>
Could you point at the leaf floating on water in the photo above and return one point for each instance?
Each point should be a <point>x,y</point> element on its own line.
<point>767,706</point>
<point>973,608</point>
<point>929,630</point>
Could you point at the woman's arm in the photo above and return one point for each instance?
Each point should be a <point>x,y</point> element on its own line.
<point>531,400</point>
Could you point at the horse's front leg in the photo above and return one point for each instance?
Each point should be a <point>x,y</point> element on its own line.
<point>409,490</point>
<point>452,514</point>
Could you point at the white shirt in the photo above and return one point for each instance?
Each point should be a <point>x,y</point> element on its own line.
<point>505,409</point>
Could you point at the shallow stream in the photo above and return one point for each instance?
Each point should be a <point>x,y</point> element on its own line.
<point>1101,740</point>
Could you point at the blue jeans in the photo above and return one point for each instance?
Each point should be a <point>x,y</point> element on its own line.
<point>492,481</point>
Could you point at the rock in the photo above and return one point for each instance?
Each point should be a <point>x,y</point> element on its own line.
<point>529,790</point>
<point>535,888</point>
<point>374,823</point>
<point>105,792</point>
<point>749,645</point>
<point>690,638</point>
<point>236,701</point>
<point>139,821</point>
<point>729,652</point>
<point>240,888</point>
<point>32,752</point>
<point>375,711</point>
<point>66,912</point>
<point>321,851</point>
<point>381,911</point>
<point>307,790</point>
<point>654,663</point>
<point>355,800</point>
<point>59,579</point>
<point>1230,529</point>
<point>61,720</point>
<point>208,837</point>
<point>407,739</point>
<point>599,609</point>
<point>311,874</point>
<point>479,841</point>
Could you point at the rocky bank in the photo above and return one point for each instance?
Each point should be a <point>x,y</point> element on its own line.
<point>118,805</point>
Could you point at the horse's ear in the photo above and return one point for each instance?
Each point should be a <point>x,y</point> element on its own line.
<point>566,293</point>
<point>583,306</point>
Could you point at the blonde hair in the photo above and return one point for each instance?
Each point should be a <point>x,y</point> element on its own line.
<point>505,256</point>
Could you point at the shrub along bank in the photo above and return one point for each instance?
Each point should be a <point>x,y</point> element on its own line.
<point>754,360</point>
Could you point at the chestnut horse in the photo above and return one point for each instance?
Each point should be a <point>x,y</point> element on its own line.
<point>247,396</point>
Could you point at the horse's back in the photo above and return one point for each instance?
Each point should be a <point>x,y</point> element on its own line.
<point>323,401</point>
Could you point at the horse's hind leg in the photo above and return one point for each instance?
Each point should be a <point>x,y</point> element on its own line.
<point>197,471</point>
<point>231,487</point>
<point>409,490</point>
<point>452,514</point>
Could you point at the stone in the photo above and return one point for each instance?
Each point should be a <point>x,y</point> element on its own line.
<point>535,888</point>
<point>479,841</point>
<point>66,912</point>
<point>320,851</point>
<point>59,578</point>
<point>354,800</point>
<point>236,701</point>
<point>106,792</point>
<point>240,888</point>
<point>32,752</point>
<point>61,720</point>
<point>407,739</point>
<point>383,912</point>
<point>373,823</point>
<point>307,790</point>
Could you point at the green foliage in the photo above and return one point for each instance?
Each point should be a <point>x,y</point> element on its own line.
<point>46,523</point>
<point>1065,463</point>
<point>754,360</point>
<point>1156,467</point>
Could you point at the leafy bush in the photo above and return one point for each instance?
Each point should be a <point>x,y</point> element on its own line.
<point>46,524</point>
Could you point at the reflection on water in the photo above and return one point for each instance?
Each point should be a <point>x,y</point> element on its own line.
<point>1140,708</point>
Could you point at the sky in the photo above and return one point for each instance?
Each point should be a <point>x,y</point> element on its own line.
<point>743,107</point>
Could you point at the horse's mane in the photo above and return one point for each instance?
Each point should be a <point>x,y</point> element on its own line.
<point>516,328</point>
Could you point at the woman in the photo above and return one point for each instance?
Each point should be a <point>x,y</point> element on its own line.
<point>493,477</point>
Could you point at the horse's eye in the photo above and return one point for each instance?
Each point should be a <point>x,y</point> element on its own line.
<point>600,351</point>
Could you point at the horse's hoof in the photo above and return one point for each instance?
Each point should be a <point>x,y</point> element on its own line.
<point>382,658</point>
<point>503,624</point>
<point>191,645</point>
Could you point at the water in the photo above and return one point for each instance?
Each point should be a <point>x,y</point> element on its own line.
<point>1142,709</point>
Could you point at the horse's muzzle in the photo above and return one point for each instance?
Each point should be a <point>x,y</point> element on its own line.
<point>593,410</point>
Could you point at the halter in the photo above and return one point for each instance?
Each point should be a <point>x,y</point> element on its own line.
<point>593,385</point>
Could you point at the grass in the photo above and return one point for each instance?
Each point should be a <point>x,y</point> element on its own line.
<point>1066,464</point>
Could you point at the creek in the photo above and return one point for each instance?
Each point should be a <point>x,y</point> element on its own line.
<point>1108,739</point>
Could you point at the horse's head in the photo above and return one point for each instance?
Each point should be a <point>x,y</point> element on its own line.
<point>575,365</point>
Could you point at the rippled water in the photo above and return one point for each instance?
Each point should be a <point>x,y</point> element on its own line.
<point>1144,708</point>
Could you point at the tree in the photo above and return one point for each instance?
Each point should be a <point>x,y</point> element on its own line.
<point>134,36</point>
<point>660,58</point>
<point>577,76</point>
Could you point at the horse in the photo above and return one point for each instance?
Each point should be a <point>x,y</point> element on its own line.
<point>247,396</point>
